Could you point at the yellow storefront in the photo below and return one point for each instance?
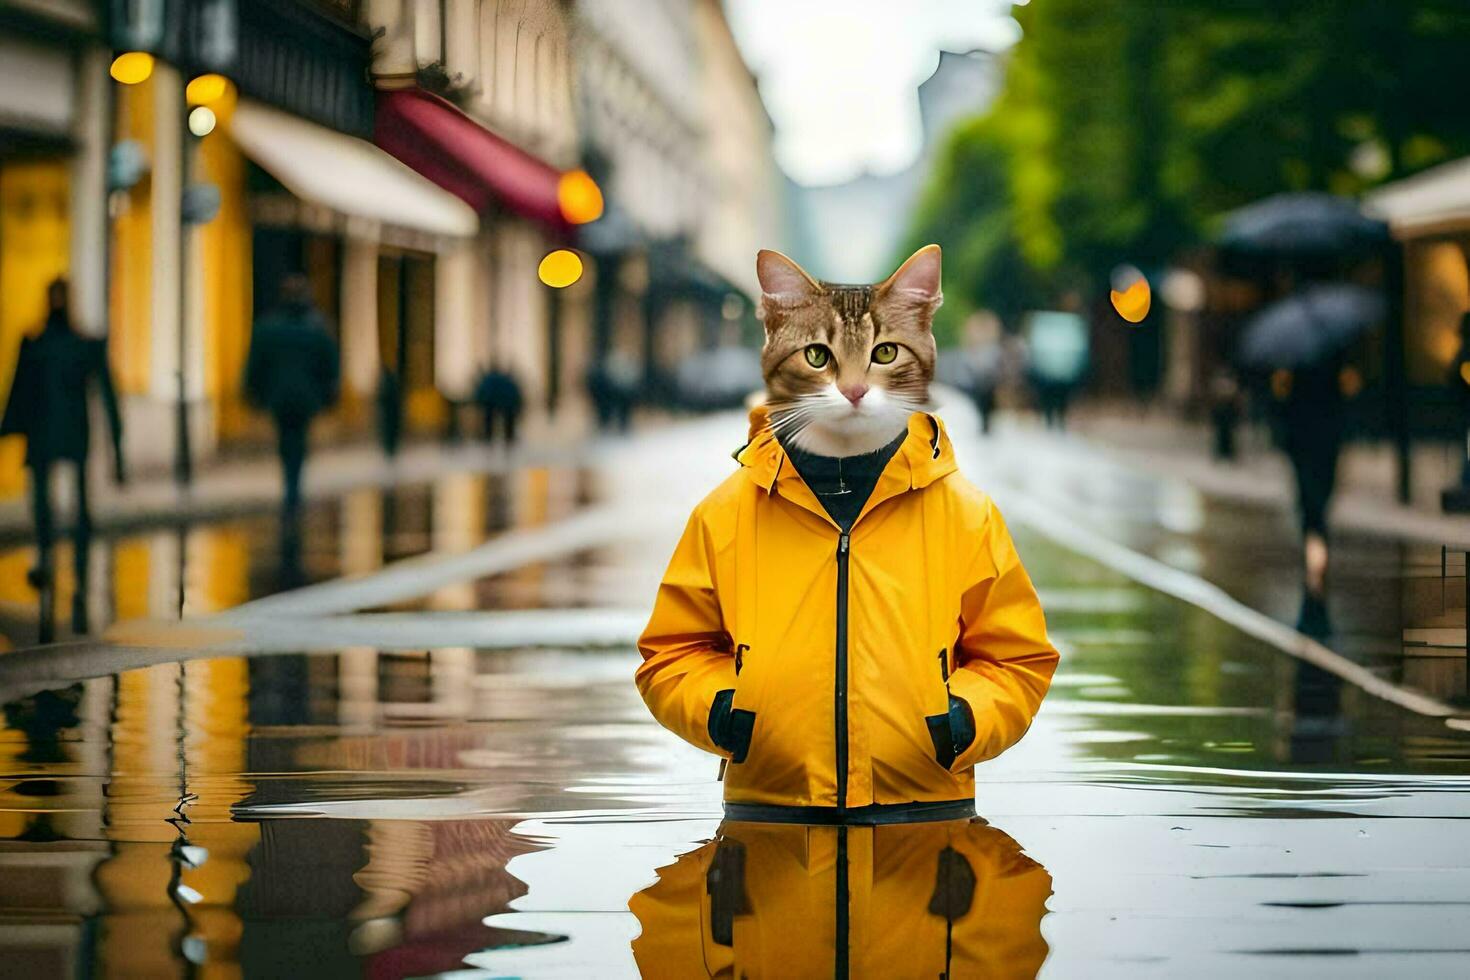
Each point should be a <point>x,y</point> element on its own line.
<point>1429,214</point>
<point>294,196</point>
<point>35,244</point>
<point>51,194</point>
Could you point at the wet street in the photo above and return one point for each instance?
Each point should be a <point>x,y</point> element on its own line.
<point>406,742</point>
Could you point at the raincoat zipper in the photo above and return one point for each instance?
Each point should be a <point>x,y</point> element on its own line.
<point>840,685</point>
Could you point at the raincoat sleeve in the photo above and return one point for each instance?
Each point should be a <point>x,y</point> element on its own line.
<point>688,656</point>
<point>1004,661</point>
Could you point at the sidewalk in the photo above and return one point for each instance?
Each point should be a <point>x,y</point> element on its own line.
<point>1365,501</point>
<point>236,486</point>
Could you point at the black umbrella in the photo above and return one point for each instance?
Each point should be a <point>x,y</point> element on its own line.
<point>1304,223</point>
<point>1309,326</point>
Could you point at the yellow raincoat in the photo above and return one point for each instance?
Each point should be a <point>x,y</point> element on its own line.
<point>850,655</point>
<point>943,899</point>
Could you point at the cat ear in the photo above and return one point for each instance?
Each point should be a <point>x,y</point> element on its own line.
<point>918,278</point>
<point>783,282</point>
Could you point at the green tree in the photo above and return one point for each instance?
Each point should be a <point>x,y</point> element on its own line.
<point>1124,128</point>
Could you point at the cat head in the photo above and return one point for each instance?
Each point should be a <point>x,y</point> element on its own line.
<point>845,366</point>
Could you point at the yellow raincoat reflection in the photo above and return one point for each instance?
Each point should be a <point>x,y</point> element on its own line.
<point>945,899</point>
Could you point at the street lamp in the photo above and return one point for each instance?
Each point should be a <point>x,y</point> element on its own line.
<point>204,42</point>
<point>199,205</point>
<point>559,269</point>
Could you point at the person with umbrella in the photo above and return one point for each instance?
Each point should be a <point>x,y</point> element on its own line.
<point>1300,226</point>
<point>48,405</point>
<point>1300,342</point>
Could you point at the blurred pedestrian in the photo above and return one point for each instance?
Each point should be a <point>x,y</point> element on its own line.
<point>613,385</point>
<point>498,394</point>
<point>1224,394</point>
<point>292,373</point>
<point>1309,408</point>
<point>1057,355</point>
<point>48,405</point>
<point>984,362</point>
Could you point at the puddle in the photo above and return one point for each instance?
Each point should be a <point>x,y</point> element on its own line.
<point>1187,797</point>
<point>206,567</point>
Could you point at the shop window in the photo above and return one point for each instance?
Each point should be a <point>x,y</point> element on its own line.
<point>406,333</point>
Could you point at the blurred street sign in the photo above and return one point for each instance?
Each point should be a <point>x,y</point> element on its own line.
<point>201,204</point>
<point>214,35</point>
<point>137,25</point>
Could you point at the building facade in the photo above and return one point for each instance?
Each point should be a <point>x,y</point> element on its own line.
<point>478,96</point>
<point>53,164</point>
<point>407,156</point>
<point>672,116</point>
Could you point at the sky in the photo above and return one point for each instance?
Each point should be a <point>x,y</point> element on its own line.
<point>840,77</point>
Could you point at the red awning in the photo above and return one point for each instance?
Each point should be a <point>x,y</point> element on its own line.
<point>439,141</point>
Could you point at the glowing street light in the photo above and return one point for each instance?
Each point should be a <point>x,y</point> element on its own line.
<point>201,121</point>
<point>132,67</point>
<point>560,268</point>
<point>1130,294</point>
<point>207,89</point>
<point>579,197</point>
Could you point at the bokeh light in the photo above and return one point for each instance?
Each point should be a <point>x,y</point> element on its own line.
<point>207,89</point>
<point>560,268</point>
<point>132,67</point>
<point>1130,293</point>
<point>579,197</point>
<point>201,121</point>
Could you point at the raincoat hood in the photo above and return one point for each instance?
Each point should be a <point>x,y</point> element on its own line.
<point>851,675</point>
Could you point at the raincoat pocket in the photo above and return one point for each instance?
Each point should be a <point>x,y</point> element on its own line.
<point>730,728</point>
<point>952,731</point>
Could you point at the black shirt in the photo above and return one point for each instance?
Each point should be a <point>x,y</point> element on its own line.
<point>843,483</point>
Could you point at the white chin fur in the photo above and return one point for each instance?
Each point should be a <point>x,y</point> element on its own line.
<point>837,429</point>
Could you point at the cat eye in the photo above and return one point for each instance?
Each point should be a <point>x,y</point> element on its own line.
<point>885,353</point>
<point>818,356</point>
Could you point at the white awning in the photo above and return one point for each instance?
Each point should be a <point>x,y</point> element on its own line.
<point>1433,202</point>
<point>348,177</point>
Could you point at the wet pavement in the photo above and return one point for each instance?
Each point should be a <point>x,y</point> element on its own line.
<point>1397,607</point>
<point>201,567</point>
<point>1191,800</point>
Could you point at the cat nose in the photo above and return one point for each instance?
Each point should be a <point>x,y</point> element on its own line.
<point>854,393</point>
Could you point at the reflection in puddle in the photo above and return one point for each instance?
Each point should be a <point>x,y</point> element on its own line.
<point>379,898</point>
<point>123,847</point>
<point>949,899</point>
<point>208,566</point>
<point>365,813</point>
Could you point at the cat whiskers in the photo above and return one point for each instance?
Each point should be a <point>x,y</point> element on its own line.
<point>788,418</point>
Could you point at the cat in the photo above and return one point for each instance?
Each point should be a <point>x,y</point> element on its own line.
<point>845,366</point>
